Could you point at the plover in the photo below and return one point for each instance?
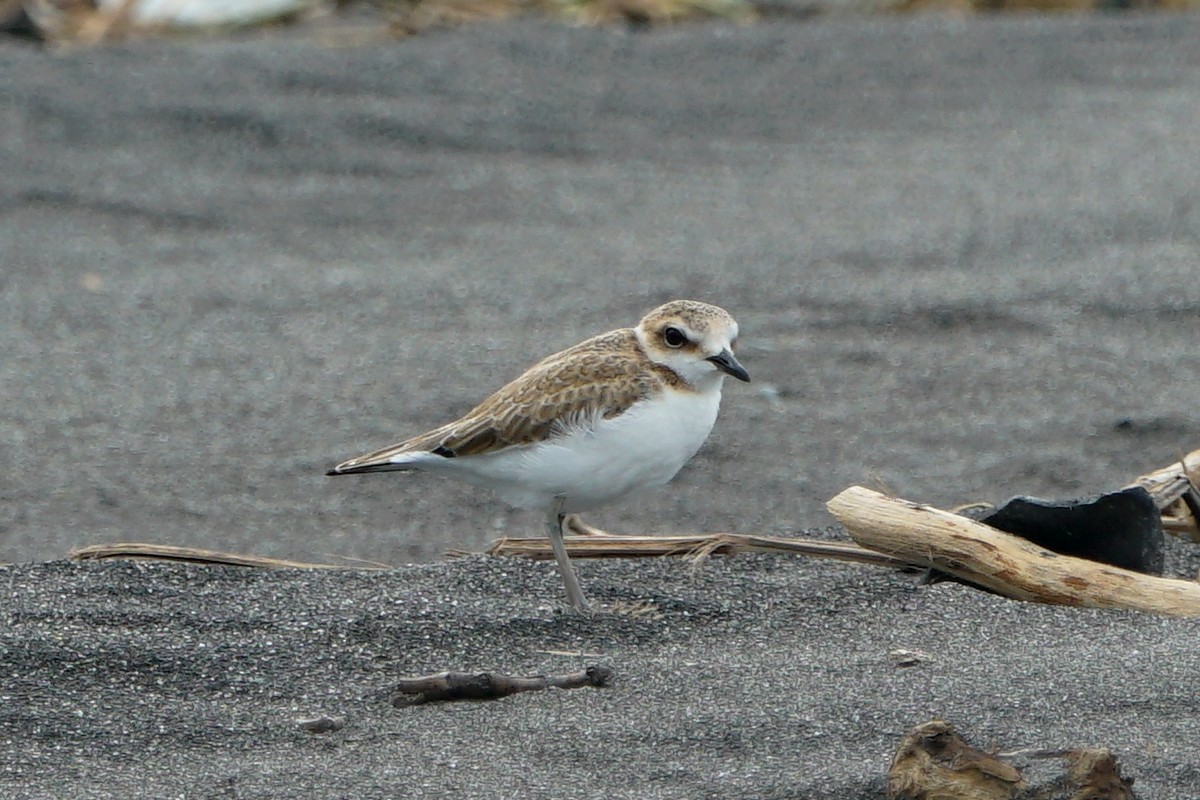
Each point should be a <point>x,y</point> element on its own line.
<point>621,411</point>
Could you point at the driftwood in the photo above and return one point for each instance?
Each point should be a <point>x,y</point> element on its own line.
<point>1000,562</point>
<point>933,762</point>
<point>1176,492</point>
<point>446,686</point>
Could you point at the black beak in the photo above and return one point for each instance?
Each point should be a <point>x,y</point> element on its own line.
<point>726,362</point>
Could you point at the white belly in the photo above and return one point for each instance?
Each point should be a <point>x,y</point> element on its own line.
<point>642,448</point>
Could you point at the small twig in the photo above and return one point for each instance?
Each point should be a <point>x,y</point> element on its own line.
<point>322,724</point>
<point>446,686</point>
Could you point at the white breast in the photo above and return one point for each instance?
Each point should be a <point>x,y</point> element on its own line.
<point>599,462</point>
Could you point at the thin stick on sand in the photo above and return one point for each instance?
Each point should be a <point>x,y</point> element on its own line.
<point>197,555</point>
<point>697,545</point>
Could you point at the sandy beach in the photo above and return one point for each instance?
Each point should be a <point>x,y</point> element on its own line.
<point>962,253</point>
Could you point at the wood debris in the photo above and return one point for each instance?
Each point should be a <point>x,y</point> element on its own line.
<point>447,686</point>
<point>933,762</point>
<point>1000,562</point>
<point>322,724</point>
<point>1176,491</point>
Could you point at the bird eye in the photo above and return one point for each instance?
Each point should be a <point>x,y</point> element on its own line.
<point>674,337</point>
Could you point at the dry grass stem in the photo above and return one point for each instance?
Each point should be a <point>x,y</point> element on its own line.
<point>694,546</point>
<point>193,555</point>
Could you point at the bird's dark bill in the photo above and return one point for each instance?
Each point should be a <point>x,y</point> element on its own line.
<point>727,363</point>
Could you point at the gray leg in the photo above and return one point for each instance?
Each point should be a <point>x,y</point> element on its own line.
<point>554,520</point>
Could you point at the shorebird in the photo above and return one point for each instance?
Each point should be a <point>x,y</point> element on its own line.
<point>619,412</point>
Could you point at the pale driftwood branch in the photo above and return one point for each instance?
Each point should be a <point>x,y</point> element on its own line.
<point>998,561</point>
<point>1171,483</point>
<point>444,686</point>
<point>1176,492</point>
<point>703,544</point>
<point>193,555</point>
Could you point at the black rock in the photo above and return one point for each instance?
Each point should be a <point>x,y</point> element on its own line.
<point>1120,528</point>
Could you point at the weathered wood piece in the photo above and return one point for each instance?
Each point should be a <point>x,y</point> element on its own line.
<point>446,686</point>
<point>933,762</point>
<point>1176,490</point>
<point>1000,562</point>
<point>322,724</point>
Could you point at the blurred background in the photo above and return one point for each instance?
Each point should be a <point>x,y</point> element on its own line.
<point>962,249</point>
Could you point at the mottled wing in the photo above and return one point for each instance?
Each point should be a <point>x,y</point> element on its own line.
<point>597,379</point>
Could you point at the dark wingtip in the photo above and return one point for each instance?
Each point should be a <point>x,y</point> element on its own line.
<point>342,469</point>
<point>366,469</point>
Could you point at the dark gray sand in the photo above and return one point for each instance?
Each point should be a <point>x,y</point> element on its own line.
<point>759,677</point>
<point>964,258</point>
